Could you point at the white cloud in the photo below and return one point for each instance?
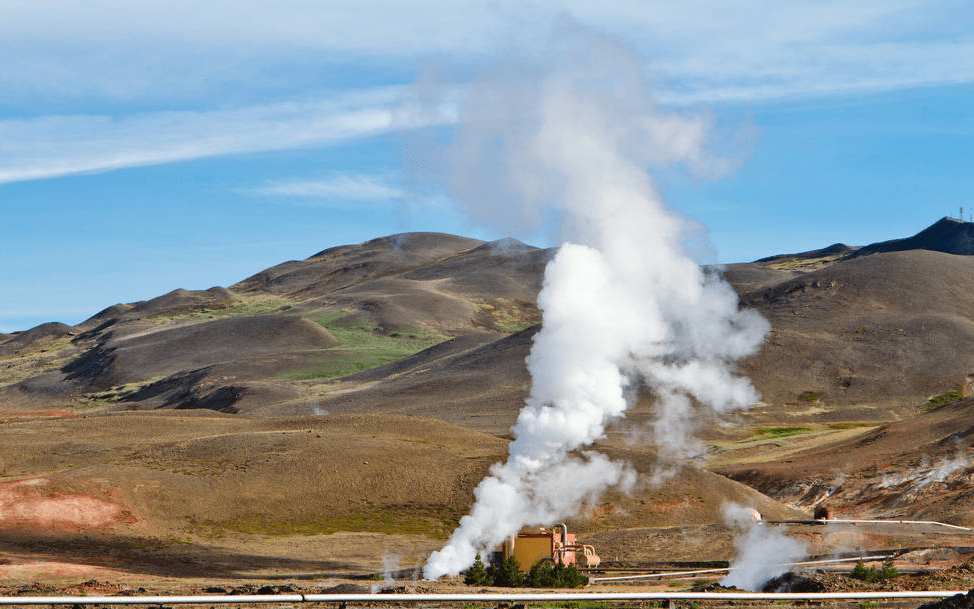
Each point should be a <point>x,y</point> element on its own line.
<point>51,146</point>
<point>705,49</point>
<point>228,60</point>
<point>357,187</point>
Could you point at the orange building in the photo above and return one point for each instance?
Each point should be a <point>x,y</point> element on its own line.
<point>556,545</point>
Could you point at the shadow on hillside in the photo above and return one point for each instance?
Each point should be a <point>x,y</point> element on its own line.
<point>159,557</point>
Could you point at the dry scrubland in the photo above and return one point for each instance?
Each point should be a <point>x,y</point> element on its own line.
<point>310,420</point>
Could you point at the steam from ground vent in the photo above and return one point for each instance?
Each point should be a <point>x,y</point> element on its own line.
<point>574,135</point>
<point>762,552</point>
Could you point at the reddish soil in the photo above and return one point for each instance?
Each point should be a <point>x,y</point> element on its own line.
<point>37,504</point>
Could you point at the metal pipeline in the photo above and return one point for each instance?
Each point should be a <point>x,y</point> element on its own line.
<point>858,522</point>
<point>806,563</point>
<point>564,532</point>
<point>150,600</point>
<point>492,597</point>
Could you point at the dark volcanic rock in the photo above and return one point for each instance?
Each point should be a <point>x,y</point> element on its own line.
<point>792,582</point>
<point>958,601</point>
<point>947,235</point>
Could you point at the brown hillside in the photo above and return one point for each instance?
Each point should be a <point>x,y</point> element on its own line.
<point>119,360</point>
<point>916,468</point>
<point>342,267</point>
<point>846,331</point>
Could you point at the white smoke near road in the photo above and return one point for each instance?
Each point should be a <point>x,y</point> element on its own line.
<point>573,135</point>
<point>762,552</point>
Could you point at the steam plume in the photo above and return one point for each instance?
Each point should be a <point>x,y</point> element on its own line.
<point>763,553</point>
<point>390,563</point>
<point>571,137</point>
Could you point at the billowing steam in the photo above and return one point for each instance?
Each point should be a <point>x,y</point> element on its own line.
<point>574,136</point>
<point>762,552</point>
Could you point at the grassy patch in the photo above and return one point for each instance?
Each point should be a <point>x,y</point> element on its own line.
<point>249,307</point>
<point>36,360</point>
<point>944,398</point>
<point>780,432</point>
<point>805,264</point>
<point>845,426</point>
<point>116,393</point>
<point>361,347</point>
<point>432,521</point>
<point>506,315</point>
<point>808,396</point>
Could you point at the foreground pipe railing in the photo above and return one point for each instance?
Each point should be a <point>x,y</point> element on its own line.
<point>151,600</point>
<point>665,574</point>
<point>525,597</point>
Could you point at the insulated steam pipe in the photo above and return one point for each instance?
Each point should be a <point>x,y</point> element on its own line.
<point>596,580</point>
<point>151,600</point>
<point>492,597</point>
<point>857,522</point>
<point>564,532</point>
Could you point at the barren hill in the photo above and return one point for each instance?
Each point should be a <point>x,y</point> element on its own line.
<point>882,331</point>
<point>367,389</point>
<point>264,343</point>
<point>947,235</point>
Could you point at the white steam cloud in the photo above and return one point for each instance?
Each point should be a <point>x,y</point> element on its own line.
<point>763,553</point>
<point>573,135</point>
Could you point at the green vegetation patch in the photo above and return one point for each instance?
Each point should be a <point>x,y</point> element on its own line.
<point>944,398</point>
<point>436,522</point>
<point>506,315</point>
<point>845,426</point>
<point>362,346</point>
<point>780,432</point>
<point>507,574</point>
<point>114,394</point>
<point>36,360</point>
<point>804,264</point>
<point>873,575</point>
<point>249,307</point>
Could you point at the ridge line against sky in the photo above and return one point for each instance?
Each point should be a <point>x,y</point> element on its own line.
<point>138,139</point>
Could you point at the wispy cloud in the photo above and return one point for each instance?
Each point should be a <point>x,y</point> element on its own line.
<point>148,54</point>
<point>706,49</point>
<point>344,187</point>
<point>51,146</point>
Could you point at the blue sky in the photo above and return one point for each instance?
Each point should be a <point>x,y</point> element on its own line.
<point>151,145</point>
